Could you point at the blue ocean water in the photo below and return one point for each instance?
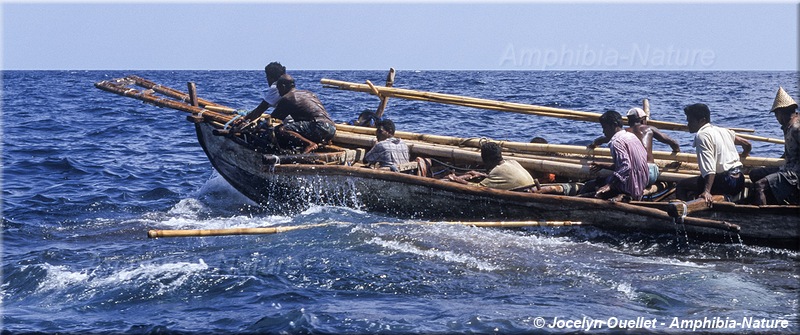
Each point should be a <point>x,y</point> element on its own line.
<point>86,173</point>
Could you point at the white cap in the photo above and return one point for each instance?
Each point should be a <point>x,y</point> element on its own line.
<point>637,111</point>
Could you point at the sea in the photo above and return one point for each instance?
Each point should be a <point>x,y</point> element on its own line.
<point>86,173</point>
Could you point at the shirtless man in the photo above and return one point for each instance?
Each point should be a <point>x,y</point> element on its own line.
<point>312,124</point>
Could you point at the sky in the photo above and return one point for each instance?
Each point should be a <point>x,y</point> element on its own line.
<point>445,35</point>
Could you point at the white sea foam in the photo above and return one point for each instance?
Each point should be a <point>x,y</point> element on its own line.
<point>168,276</point>
<point>221,192</point>
<point>240,221</point>
<point>60,277</point>
<point>190,207</point>
<point>670,261</point>
<point>445,255</point>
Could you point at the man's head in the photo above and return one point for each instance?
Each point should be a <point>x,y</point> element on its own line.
<point>636,115</point>
<point>697,115</point>
<point>539,140</point>
<point>784,115</point>
<point>611,121</point>
<point>384,129</point>
<point>784,107</point>
<point>367,118</point>
<point>285,84</point>
<point>274,71</point>
<point>491,154</point>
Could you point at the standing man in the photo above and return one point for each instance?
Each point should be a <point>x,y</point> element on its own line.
<point>312,125</point>
<point>782,187</point>
<point>637,123</point>
<point>716,155</point>
<point>629,163</point>
<point>389,151</point>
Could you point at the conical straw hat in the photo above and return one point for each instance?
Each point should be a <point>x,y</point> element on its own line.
<point>782,99</point>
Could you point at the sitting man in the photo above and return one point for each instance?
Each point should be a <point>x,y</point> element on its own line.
<point>782,101</point>
<point>637,124</point>
<point>629,163</point>
<point>783,186</point>
<point>716,156</point>
<point>312,124</point>
<point>389,151</point>
<point>504,174</point>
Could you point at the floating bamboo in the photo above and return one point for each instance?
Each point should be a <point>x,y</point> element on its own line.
<point>549,148</point>
<point>155,233</point>
<point>488,104</point>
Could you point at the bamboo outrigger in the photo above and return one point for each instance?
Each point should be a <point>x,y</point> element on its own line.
<point>334,175</point>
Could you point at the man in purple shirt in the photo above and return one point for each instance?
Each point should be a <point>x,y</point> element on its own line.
<point>629,157</point>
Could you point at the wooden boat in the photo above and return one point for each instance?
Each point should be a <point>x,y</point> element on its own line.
<point>333,175</point>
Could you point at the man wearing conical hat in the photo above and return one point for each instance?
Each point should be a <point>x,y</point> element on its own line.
<point>783,186</point>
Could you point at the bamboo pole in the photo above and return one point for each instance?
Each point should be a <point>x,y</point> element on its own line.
<point>486,103</point>
<point>168,91</point>
<point>573,170</point>
<point>192,94</point>
<point>513,224</point>
<point>664,165</point>
<point>761,138</point>
<point>220,109</point>
<point>549,148</point>
<point>161,102</point>
<point>156,233</point>
<point>385,100</point>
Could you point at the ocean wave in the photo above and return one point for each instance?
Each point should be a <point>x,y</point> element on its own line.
<point>83,284</point>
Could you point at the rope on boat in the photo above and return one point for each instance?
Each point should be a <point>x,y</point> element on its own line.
<point>225,127</point>
<point>685,210</point>
<point>684,213</point>
<point>275,161</point>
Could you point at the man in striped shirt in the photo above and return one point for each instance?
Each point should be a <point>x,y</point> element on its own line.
<point>630,172</point>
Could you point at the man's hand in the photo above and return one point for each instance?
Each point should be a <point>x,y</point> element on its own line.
<point>476,174</point>
<point>596,167</point>
<point>707,196</point>
<point>454,178</point>
<point>241,124</point>
<point>601,190</point>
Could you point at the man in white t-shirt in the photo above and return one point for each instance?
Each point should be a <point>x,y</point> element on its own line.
<point>717,158</point>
